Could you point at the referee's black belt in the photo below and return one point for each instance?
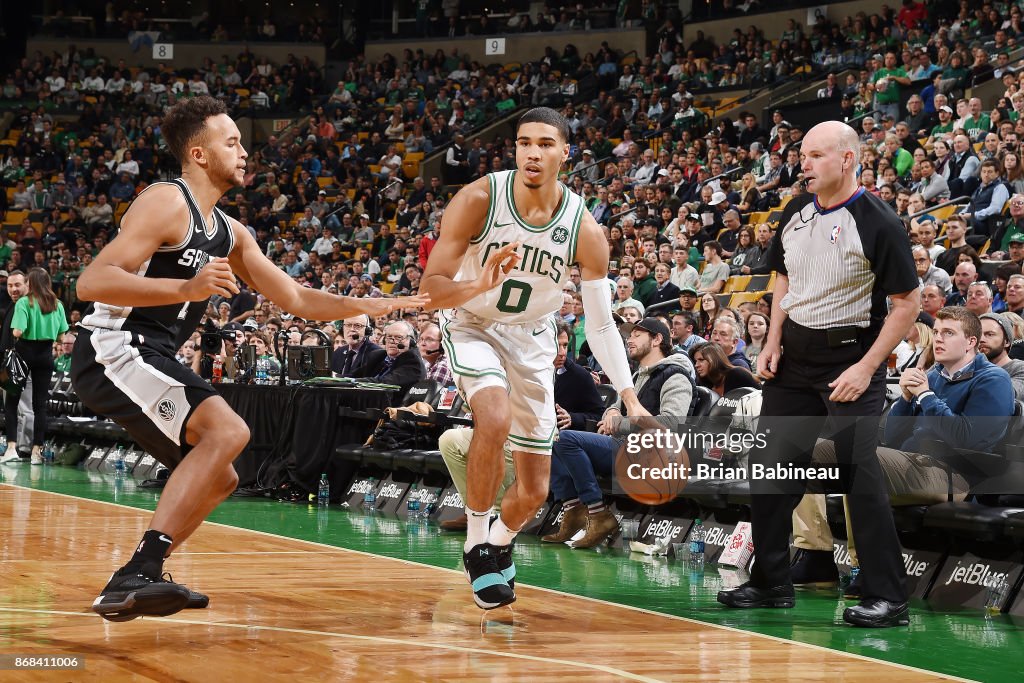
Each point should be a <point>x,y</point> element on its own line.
<point>832,337</point>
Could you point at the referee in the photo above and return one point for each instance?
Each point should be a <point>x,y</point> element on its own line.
<point>839,253</point>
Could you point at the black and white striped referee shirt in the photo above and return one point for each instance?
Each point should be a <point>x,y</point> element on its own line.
<point>842,261</point>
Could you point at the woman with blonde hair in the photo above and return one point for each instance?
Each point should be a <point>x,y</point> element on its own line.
<point>915,351</point>
<point>749,194</point>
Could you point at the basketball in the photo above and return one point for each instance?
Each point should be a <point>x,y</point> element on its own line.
<point>652,467</point>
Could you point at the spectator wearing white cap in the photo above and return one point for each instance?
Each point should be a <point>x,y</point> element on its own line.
<point>364,233</point>
<point>590,170</point>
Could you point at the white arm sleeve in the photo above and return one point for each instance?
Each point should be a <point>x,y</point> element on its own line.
<point>602,336</point>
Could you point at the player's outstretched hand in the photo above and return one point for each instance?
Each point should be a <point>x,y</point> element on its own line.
<point>376,307</point>
<point>499,264</point>
<point>215,278</point>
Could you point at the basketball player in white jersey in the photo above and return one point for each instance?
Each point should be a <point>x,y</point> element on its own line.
<point>507,243</point>
<point>150,286</point>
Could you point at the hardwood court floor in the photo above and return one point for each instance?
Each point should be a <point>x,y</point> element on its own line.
<point>282,607</point>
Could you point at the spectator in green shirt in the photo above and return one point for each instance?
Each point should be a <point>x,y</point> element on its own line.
<point>37,322</point>
<point>887,81</point>
<point>978,124</point>
<point>63,362</point>
<point>900,158</point>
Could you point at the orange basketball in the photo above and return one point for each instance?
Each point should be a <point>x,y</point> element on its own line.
<point>652,467</point>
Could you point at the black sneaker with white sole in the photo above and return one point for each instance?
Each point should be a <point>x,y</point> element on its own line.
<point>131,595</point>
<point>196,600</point>
<point>490,588</point>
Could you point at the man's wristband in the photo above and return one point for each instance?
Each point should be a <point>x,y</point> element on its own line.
<point>920,397</point>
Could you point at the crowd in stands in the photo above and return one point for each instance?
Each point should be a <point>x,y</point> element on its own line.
<point>690,203</point>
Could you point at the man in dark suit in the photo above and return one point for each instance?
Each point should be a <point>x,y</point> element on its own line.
<point>576,397</point>
<point>349,360</point>
<point>400,364</point>
<point>665,290</point>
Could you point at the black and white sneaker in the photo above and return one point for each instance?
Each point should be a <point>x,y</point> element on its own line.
<point>196,600</point>
<point>490,588</point>
<point>131,595</point>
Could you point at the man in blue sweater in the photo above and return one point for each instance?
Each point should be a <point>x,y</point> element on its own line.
<point>962,402</point>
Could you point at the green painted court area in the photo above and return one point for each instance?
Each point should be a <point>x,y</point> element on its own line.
<point>967,644</point>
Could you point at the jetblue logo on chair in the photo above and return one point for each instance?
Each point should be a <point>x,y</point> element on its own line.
<point>166,409</point>
<point>834,237</point>
<point>560,235</point>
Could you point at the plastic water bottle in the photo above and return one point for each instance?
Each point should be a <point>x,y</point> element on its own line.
<point>697,537</point>
<point>323,492</point>
<point>430,506</point>
<point>119,465</point>
<point>370,497</point>
<point>48,453</point>
<point>996,592</point>
<point>218,369</point>
<point>413,505</point>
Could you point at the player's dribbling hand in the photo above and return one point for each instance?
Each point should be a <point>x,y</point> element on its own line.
<point>768,361</point>
<point>215,278</point>
<point>497,267</point>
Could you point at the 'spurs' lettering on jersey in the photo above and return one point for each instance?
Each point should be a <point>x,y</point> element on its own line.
<point>533,289</point>
<point>166,325</point>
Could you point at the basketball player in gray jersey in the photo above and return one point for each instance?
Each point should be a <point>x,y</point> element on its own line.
<point>150,286</point>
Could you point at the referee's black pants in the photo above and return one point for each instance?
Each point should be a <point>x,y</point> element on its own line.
<point>794,407</point>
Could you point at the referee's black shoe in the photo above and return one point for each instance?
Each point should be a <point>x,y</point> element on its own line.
<point>878,613</point>
<point>814,568</point>
<point>490,588</point>
<point>748,595</point>
<point>129,595</point>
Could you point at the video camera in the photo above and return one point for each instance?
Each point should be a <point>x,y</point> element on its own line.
<point>211,339</point>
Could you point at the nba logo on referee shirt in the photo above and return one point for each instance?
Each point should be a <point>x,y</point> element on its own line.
<point>166,409</point>
<point>836,229</point>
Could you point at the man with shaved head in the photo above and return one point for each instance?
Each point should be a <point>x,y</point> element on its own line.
<point>840,252</point>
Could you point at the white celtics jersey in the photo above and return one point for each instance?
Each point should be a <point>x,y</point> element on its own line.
<point>533,289</point>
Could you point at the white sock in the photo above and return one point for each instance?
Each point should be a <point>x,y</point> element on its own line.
<point>476,528</point>
<point>501,534</point>
<point>12,447</point>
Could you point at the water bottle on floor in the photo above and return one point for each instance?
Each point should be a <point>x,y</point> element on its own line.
<point>323,492</point>
<point>430,506</point>
<point>697,536</point>
<point>370,497</point>
<point>413,506</point>
<point>996,593</point>
<point>119,465</point>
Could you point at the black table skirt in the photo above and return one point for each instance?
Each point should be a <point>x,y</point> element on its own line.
<point>301,426</point>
